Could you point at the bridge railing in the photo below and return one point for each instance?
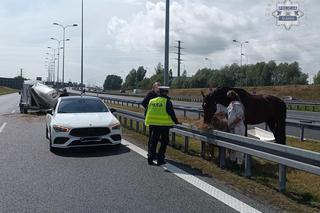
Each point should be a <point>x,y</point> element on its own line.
<point>283,155</point>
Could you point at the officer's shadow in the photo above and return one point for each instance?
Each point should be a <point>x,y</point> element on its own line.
<point>187,168</point>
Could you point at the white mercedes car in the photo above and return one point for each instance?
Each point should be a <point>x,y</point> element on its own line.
<point>80,121</point>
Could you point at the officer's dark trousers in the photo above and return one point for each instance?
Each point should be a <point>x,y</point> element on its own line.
<point>157,132</point>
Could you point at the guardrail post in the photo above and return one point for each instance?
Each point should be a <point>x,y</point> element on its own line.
<point>122,103</point>
<point>247,165</point>
<point>144,129</point>
<point>186,144</point>
<point>282,177</point>
<point>184,113</point>
<point>222,157</point>
<point>302,133</point>
<point>199,115</point>
<point>131,124</point>
<point>173,138</point>
<point>203,149</point>
<point>125,121</point>
<point>137,126</point>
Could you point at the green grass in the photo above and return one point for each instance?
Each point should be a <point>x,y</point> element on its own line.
<point>314,108</point>
<point>6,90</point>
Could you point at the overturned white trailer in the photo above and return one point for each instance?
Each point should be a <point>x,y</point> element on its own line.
<point>37,96</point>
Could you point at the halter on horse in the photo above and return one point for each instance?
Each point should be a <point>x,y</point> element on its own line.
<point>258,109</point>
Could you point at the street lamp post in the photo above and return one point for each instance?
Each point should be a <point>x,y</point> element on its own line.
<point>166,57</point>
<point>81,45</point>
<point>210,62</point>
<point>54,61</point>
<point>59,41</point>
<point>58,58</point>
<point>241,53</point>
<point>64,45</point>
<point>246,58</point>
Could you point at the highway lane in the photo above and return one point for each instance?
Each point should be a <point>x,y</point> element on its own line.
<point>8,103</point>
<point>32,179</point>
<point>292,131</point>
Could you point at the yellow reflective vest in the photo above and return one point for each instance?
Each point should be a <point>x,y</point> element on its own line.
<point>157,114</point>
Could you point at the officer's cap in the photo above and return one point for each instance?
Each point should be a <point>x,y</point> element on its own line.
<point>164,88</point>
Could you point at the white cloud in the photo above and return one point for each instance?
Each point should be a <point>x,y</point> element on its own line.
<point>204,29</point>
<point>120,35</point>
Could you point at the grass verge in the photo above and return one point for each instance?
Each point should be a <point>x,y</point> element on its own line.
<point>6,90</point>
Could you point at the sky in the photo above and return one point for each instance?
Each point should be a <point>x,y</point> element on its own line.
<point>123,34</point>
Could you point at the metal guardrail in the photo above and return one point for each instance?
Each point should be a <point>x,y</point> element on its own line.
<point>290,121</point>
<point>290,104</point>
<point>302,124</point>
<point>285,156</point>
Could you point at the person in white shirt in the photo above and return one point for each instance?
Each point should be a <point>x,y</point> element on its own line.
<point>236,122</point>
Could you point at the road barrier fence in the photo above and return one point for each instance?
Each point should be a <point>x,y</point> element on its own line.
<point>283,155</point>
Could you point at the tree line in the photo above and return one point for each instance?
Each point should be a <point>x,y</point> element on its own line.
<point>259,74</point>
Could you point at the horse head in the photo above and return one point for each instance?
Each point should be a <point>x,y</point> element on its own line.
<point>210,101</point>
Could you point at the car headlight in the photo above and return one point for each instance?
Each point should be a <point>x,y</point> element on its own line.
<point>58,128</point>
<point>116,126</point>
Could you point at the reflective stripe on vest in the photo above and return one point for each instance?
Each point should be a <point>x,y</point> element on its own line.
<point>157,114</point>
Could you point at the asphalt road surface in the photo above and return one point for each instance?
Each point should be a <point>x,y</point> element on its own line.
<point>292,131</point>
<point>32,179</point>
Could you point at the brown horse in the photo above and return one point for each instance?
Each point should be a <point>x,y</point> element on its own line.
<point>258,109</point>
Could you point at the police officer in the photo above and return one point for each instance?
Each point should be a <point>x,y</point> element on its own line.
<point>145,102</point>
<point>160,117</point>
<point>152,94</point>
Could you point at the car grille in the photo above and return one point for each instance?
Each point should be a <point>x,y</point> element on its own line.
<point>77,142</point>
<point>89,132</point>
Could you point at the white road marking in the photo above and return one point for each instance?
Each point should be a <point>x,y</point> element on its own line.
<point>13,111</point>
<point>200,184</point>
<point>3,126</point>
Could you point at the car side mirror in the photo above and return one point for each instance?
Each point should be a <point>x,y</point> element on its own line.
<point>113,110</point>
<point>50,111</point>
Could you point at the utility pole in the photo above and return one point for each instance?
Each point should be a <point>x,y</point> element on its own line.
<point>81,45</point>
<point>21,73</point>
<point>166,56</point>
<point>179,57</point>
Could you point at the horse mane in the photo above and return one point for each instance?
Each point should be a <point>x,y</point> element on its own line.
<point>223,91</point>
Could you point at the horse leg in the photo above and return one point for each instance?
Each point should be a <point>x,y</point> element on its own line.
<point>281,132</point>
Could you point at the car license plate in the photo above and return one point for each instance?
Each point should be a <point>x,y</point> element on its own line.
<point>90,139</point>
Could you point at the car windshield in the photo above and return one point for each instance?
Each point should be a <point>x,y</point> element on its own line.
<point>81,106</point>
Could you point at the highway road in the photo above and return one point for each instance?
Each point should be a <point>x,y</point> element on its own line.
<point>32,179</point>
<point>292,131</point>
